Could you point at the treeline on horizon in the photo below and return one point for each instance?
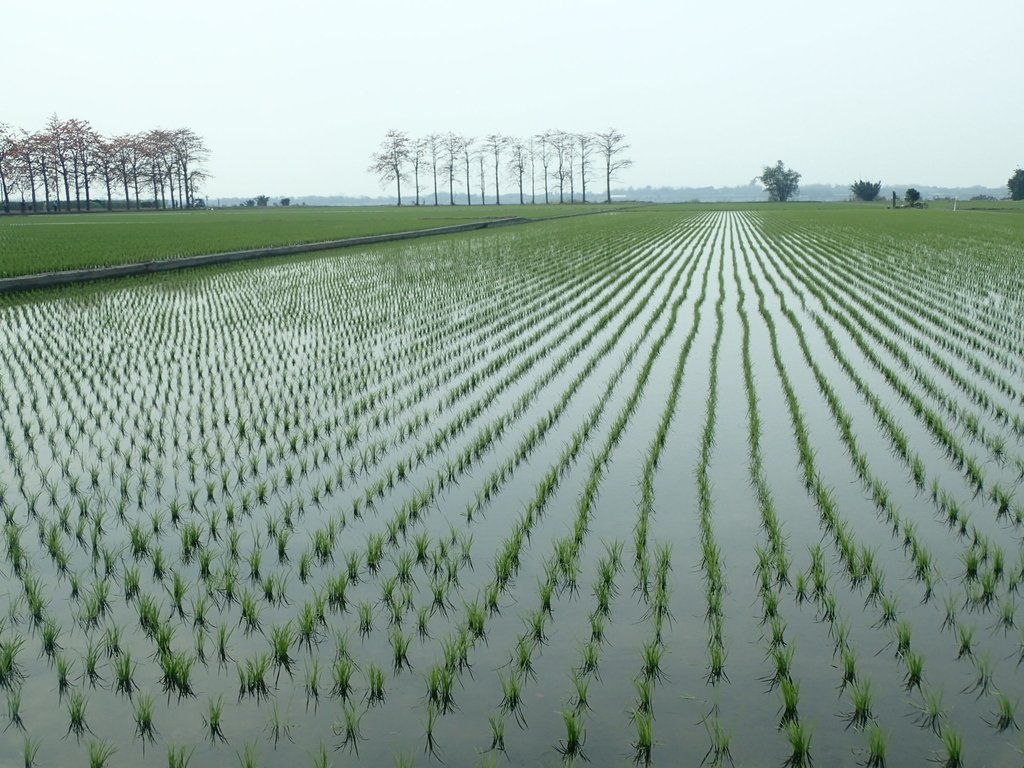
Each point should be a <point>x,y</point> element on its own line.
<point>59,167</point>
<point>554,159</point>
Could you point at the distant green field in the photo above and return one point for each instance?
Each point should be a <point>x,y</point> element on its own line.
<point>50,243</point>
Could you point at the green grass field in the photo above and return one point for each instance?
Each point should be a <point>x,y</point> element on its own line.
<point>50,243</point>
<point>53,243</point>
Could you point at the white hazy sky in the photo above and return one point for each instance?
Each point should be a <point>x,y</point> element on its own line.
<point>293,96</point>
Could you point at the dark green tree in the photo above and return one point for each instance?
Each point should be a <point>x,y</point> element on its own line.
<point>1016,185</point>
<point>780,182</point>
<point>913,197</point>
<point>866,190</point>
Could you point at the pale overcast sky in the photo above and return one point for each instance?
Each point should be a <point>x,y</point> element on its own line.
<point>292,96</point>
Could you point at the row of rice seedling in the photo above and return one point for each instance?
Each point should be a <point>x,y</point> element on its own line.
<point>983,679</point>
<point>971,317</point>
<point>899,324</point>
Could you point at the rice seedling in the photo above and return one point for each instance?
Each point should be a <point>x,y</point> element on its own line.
<point>341,676</point>
<point>76,714</point>
<point>179,757</point>
<point>213,720</point>
<point>99,753</point>
<point>365,613</point>
<point>223,648</point>
<point>571,747</point>
<point>643,745</point>
<point>252,677</point>
<point>177,674</point>
<point>497,733</point>
<point>799,738</point>
<point>63,667</point>
<point>374,685</point>
<point>348,728</point>
<point>931,712</point>
<point>877,743</point>
<point>320,758</point>
<point>281,640</point>
<point>790,692</point>
<point>581,685</point>
<point>247,757</point>
<point>860,699</point>
<point>965,639</point>
<point>983,674</point>
<point>30,752</point>
<point>11,673</point>
<point>651,654</point>
<point>1005,715</point>
<point>951,754</point>
<point>279,725</point>
<point>512,697</point>
<point>719,751</point>
<point>124,674</point>
<point>14,709</point>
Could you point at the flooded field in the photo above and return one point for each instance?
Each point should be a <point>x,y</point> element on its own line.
<point>738,485</point>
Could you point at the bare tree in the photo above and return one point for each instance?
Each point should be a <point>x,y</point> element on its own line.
<point>610,145</point>
<point>156,148</point>
<point>560,145</point>
<point>570,163</point>
<point>434,148</point>
<point>390,161</point>
<point>518,154</point>
<point>8,166</point>
<point>81,145</point>
<point>418,155</point>
<point>105,164</point>
<point>467,156</point>
<point>452,146</point>
<point>532,149</point>
<point>189,152</point>
<point>544,154</point>
<point>584,147</point>
<point>34,155</point>
<point>495,144</point>
<point>59,153</point>
<point>483,179</point>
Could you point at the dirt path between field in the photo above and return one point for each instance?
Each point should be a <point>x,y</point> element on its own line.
<point>72,276</point>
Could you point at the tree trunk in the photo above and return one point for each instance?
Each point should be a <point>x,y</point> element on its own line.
<point>435,183</point>
<point>451,184</point>
<point>46,188</point>
<point>469,191</point>
<point>398,181</point>
<point>32,184</point>
<point>170,183</point>
<point>416,181</point>
<point>67,189</point>
<point>608,185</point>
<point>497,191</point>
<point>85,176</point>
<point>78,189</point>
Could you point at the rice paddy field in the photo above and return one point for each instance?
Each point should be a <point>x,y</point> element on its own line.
<point>53,243</point>
<point>719,486</point>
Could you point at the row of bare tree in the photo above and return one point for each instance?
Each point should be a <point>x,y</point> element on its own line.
<point>67,161</point>
<point>549,161</point>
